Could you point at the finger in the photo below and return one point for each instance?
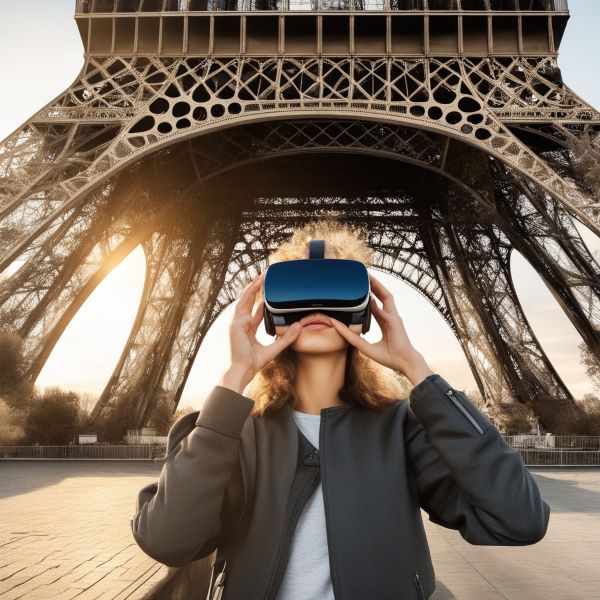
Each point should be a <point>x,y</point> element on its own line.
<point>280,343</point>
<point>246,300</point>
<point>380,315</point>
<point>354,338</point>
<point>386,297</point>
<point>257,317</point>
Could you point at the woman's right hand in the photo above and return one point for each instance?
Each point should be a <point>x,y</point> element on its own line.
<point>248,355</point>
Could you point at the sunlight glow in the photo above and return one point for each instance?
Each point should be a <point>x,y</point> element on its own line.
<point>85,355</point>
<point>43,53</point>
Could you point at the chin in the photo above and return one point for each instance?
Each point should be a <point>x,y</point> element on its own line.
<point>317,348</point>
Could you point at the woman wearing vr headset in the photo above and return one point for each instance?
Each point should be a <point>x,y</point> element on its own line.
<point>306,468</point>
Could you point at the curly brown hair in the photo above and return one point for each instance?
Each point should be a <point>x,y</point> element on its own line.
<point>366,382</point>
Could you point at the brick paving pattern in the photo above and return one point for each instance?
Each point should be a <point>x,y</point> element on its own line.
<point>564,565</point>
<point>64,530</point>
<point>64,533</point>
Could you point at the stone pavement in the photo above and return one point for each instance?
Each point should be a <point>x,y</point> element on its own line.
<point>64,533</point>
<point>564,565</point>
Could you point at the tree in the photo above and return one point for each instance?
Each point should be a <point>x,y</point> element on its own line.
<point>87,402</point>
<point>589,423</point>
<point>509,418</point>
<point>12,432</point>
<point>116,419</point>
<point>53,418</point>
<point>162,417</point>
<point>15,389</point>
<point>590,362</point>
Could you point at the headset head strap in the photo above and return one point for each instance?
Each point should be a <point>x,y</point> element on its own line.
<point>316,249</point>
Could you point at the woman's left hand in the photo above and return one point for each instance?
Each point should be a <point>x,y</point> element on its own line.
<point>394,349</point>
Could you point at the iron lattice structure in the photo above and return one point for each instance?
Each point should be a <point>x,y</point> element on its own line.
<point>207,133</point>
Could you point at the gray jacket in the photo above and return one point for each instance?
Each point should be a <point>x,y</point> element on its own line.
<point>434,450</point>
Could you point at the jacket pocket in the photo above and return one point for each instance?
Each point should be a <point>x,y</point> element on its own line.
<point>417,580</point>
<point>461,407</point>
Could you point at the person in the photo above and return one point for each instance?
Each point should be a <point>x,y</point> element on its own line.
<point>343,461</point>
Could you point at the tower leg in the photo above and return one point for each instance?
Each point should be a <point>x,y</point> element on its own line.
<point>506,358</point>
<point>185,273</point>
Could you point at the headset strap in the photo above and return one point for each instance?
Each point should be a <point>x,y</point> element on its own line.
<point>316,249</point>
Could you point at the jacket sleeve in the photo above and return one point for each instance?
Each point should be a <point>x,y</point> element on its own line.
<point>468,478</point>
<point>179,518</point>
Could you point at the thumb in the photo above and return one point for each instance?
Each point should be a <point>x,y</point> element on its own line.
<point>286,339</point>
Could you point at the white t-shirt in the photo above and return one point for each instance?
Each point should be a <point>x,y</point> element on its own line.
<point>307,575</point>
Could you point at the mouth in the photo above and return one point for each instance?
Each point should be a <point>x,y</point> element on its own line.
<point>315,322</point>
<point>316,326</point>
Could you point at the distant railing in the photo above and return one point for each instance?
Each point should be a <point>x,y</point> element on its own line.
<point>557,450</point>
<point>563,442</point>
<point>536,450</point>
<point>86,452</point>
<point>128,6</point>
<point>560,458</point>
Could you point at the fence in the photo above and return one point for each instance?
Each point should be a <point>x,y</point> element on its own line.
<point>567,442</point>
<point>561,458</point>
<point>536,450</point>
<point>86,452</point>
<point>557,450</point>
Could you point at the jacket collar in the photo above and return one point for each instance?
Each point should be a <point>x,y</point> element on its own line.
<point>287,432</point>
<point>303,449</point>
<point>341,408</point>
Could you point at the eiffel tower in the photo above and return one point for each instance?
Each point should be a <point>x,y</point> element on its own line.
<point>206,130</point>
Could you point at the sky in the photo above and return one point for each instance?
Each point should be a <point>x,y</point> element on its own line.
<point>42,55</point>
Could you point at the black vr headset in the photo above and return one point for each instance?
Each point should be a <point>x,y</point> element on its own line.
<point>336,287</point>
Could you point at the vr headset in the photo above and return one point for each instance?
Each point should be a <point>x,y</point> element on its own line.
<point>336,287</point>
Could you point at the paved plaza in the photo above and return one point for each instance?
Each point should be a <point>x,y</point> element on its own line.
<point>565,565</point>
<point>64,533</point>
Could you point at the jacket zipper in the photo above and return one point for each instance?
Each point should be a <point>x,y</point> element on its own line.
<point>463,410</point>
<point>284,547</point>
<point>285,540</point>
<point>330,536</point>
<point>417,580</point>
<point>218,587</point>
